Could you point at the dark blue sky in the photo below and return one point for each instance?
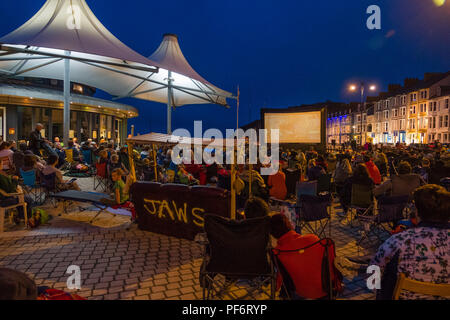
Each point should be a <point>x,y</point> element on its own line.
<point>281,53</point>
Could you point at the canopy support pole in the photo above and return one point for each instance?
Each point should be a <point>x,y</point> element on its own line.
<point>66,99</point>
<point>131,160</point>
<point>154,162</point>
<point>169,103</point>
<point>233,188</point>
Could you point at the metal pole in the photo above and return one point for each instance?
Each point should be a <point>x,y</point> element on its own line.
<point>154,162</point>
<point>66,127</point>
<point>131,160</point>
<point>169,103</point>
<point>362,102</point>
<point>237,109</point>
<point>132,130</point>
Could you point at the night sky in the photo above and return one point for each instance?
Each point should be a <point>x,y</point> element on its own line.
<point>281,53</point>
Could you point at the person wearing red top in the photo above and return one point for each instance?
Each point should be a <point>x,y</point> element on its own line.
<point>304,266</point>
<point>277,185</point>
<point>374,173</point>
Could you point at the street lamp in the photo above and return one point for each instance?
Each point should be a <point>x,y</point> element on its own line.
<point>354,87</point>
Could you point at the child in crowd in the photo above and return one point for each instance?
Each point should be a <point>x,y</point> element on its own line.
<point>120,195</point>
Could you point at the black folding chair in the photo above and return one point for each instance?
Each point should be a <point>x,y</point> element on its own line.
<point>362,201</point>
<point>48,182</point>
<point>390,211</point>
<point>324,183</point>
<point>313,214</point>
<point>237,256</point>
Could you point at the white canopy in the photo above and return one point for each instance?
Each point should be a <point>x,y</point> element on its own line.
<point>67,30</point>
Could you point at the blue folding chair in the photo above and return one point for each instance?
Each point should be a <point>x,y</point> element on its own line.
<point>33,189</point>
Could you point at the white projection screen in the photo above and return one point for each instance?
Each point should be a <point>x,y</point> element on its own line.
<point>295,127</point>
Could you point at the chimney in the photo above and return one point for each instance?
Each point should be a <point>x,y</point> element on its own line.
<point>394,87</point>
<point>409,82</point>
<point>429,75</point>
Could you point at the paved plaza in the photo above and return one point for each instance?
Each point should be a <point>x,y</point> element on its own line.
<point>123,262</point>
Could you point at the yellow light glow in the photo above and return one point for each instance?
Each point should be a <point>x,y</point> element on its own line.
<point>439,3</point>
<point>372,88</point>
<point>352,88</point>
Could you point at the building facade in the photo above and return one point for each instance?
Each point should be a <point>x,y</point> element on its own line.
<point>413,113</point>
<point>28,101</point>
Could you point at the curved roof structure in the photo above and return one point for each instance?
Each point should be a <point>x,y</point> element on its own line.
<point>68,29</point>
<point>188,87</point>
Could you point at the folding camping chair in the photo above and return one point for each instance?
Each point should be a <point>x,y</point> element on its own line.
<point>48,182</point>
<point>6,205</point>
<point>390,211</point>
<point>101,179</point>
<point>324,183</point>
<point>330,277</point>
<point>313,214</point>
<point>362,201</point>
<point>33,189</point>
<point>306,188</point>
<point>237,255</point>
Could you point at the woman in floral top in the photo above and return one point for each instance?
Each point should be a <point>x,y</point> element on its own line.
<point>423,252</point>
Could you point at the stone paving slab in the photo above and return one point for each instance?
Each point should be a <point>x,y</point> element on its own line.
<point>126,263</point>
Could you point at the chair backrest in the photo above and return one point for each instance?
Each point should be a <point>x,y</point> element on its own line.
<point>391,208</point>
<point>101,170</point>
<point>238,247</point>
<point>314,208</point>
<point>426,288</point>
<point>29,177</point>
<point>324,183</point>
<point>306,188</point>
<point>362,196</point>
<point>87,156</point>
<point>5,163</point>
<point>321,255</point>
<point>48,181</point>
<point>69,155</point>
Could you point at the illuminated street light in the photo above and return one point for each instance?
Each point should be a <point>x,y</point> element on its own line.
<point>362,89</point>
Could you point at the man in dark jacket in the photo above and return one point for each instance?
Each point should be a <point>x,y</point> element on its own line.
<point>37,142</point>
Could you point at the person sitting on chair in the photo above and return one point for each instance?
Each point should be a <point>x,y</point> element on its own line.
<point>256,207</point>
<point>51,168</point>
<point>421,253</point>
<point>120,195</point>
<point>10,184</point>
<point>304,266</point>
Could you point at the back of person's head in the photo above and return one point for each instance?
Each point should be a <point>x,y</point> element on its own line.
<point>366,158</point>
<point>256,207</point>
<point>70,144</point>
<point>432,203</point>
<point>16,285</point>
<point>52,159</point>
<point>114,158</point>
<point>361,171</point>
<point>404,168</point>
<point>29,160</point>
<point>279,225</point>
<point>23,147</point>
<point>4,145</point>
<point>103,154</point>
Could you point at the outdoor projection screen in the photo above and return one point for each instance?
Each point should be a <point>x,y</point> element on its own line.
<point>295,127</point>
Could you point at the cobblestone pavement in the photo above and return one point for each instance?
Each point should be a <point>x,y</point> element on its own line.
<point>126,263</point>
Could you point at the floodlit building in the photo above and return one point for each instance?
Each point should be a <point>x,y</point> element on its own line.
<point>28,101</point>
